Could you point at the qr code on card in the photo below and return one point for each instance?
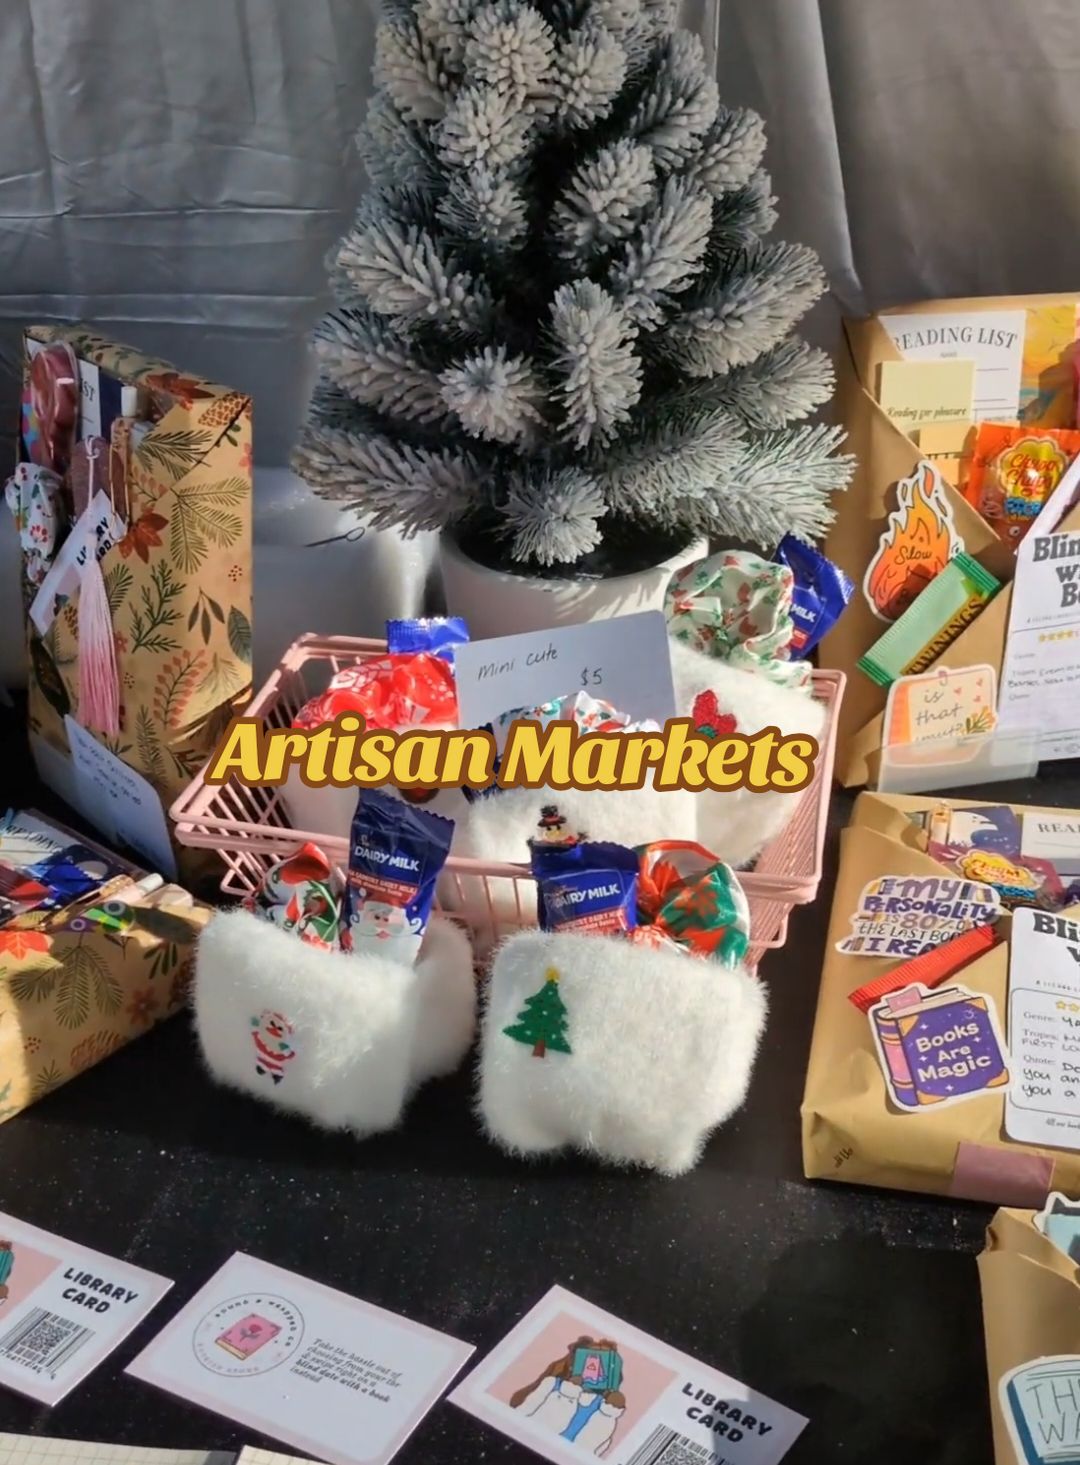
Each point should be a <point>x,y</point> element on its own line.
<point>43,1341</point>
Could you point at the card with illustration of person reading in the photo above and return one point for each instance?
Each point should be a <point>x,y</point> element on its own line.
<point>571,1381</point>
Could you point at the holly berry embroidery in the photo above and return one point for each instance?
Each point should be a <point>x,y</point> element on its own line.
<point>708,718</point>
<point>541,1024</point>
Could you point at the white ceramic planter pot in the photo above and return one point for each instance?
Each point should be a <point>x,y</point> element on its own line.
<point>495,603</point>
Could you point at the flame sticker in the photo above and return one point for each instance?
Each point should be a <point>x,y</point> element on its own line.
<point>920,539</point>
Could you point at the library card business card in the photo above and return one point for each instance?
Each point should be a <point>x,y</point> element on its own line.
<point>572,1382</point>
<point>63,1309</point>
<point>340,1379</point>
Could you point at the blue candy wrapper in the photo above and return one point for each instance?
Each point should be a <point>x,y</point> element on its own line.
<point>821,594</point>
<point>438,635</point>
<point>396,852</point>
<point>591,902</point>
<point>585,887</point>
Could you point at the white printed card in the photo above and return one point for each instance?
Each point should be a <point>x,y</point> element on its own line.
<point>1043,1103</point>
<point>572,1382</point>
<point>338,1378</point>
<point>63,1309</point>
<point>625,661</point>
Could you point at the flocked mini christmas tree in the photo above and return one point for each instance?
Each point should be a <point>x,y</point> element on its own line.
<point>559,325</point>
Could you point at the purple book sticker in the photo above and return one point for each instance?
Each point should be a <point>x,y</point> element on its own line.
<point>939,1047</point>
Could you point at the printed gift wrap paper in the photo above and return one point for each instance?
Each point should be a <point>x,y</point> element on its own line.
<point>74,993</point>
<point>1031,1315</point>
<point>178,583</point>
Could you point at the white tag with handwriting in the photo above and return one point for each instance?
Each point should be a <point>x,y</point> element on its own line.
<point>625,661</point>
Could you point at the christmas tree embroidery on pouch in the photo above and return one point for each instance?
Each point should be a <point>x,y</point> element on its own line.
<point>541,1024</point>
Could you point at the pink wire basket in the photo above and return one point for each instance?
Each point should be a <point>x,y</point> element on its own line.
<point>250,828</point>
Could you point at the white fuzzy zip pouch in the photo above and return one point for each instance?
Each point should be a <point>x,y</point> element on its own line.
<point>342,1039</point>
<point>626,1052</point>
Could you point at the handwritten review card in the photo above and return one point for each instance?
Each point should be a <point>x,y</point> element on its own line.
<point>1043,1102</point>
<point>63,1309</point>
<point>572,1382</point>
<point>338,1378</point>
<point>625,661</point>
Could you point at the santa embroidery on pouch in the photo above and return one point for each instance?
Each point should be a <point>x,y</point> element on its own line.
<point>270,1032</point>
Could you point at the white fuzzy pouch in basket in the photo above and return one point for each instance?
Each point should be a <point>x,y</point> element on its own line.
<point>343,1040</point>
<point>737,824</point>
<point>627,1053</point>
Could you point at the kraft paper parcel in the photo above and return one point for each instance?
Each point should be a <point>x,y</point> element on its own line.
<point>885,456</point>
<point>1031,1309</point>
<point>851,1130</point>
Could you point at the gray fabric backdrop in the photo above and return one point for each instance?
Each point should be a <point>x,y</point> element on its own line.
<point>175,173</point>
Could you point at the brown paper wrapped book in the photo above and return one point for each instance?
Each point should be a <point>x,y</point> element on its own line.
<point>1031,1314</point>
<point>852,1129</point>
<point>886,456</point>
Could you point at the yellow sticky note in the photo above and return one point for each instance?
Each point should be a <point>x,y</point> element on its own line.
<point>916,394</point>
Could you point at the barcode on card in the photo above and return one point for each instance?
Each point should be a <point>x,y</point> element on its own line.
<point>667,1447</point>
<point>43,1341</point>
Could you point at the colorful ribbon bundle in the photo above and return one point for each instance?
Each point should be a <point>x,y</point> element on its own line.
<point>738,608</point>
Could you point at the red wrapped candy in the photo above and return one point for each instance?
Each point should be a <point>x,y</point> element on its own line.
<point>396,691</point>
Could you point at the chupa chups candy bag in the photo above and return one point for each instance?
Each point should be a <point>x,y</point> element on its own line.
<point>689,896</point>
<point>1018,882</point>
<point>396,853</point>
<point>439,635</point>
<point>302,894</point>
<point>820,596</point>
<point>1014,470</point>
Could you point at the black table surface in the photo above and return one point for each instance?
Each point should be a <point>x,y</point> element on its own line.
<point>858,1308</point>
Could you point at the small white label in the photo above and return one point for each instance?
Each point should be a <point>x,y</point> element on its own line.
<point>122,804</point>
<point>625,661</point>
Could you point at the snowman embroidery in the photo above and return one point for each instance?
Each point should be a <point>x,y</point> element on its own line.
<point>270,1033</point>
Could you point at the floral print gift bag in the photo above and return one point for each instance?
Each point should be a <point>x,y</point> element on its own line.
<point>178,582</point>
